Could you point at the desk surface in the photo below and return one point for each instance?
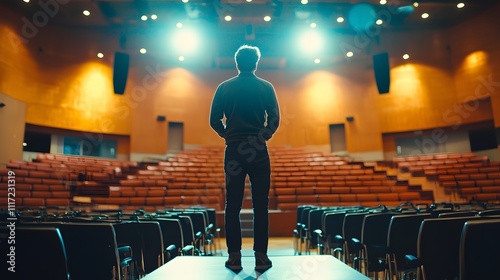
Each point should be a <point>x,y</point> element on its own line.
<point>312,267</point>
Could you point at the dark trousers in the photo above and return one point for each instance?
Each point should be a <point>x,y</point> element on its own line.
<point>240,160</point>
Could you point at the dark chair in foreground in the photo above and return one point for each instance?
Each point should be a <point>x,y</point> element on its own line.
<point>479,250</point>
<point>332,233</point>
<point>402,240</point>
<point>352,227</point>
<point>91,250</point>
<point>146,240</point>
<point>39,253</point>
<point>438,247</point>
<point>373,244</point>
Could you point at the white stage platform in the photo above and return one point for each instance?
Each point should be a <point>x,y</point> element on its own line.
<point>311,267</point>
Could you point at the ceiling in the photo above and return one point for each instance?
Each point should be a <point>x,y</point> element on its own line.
<point>127,13</point>
<point>247,22</point>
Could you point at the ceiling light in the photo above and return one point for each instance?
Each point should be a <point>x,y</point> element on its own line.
<point>100,55</point>
<point>181,58</point>
<point>383,2</point>
<point>340,19</point>
<point>425,15</point>
<point>267,18</point>
<point>313,25</point>
<point>179,25</point>
<point>144,18</point>
<point>304,1</point>
<point>249,1</point>
<point>27,1</point>
<point>86,13</point>
<point>460,5</point>
<point>154,17</point>
<point>406,56</point>
<point>185,1</point>
<point>228,18</point>
<point>379,22</point>
<point>349,54</point>
<point>317,60</point>
<point>143,50</point>
<point>24,143</point>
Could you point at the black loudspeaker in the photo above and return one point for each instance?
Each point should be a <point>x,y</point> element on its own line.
<point>349,118</point>
<point>161,118</point>
<point>120,72</point>
<point>382,72</point>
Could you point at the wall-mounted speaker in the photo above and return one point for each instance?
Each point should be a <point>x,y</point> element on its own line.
<point>249,32</point>
<point>382,71</point>
<point>161,118</point>
<point>349,118</point>
<point>120,72</point>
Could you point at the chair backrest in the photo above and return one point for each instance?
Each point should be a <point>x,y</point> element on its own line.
<point>479,247</point>
<point>146,240</point>
<point>187,229</point>
<point>91,250</point>
<point>332,224</point>
<point>172,232</point>
<point>300,210</point>
<point>438,245</point>
<point>198,221</point>
<point>489,212</point>
<point>457,214</point>
<point>39,251</point>
<point>212,217</point>
<point>374,237</point>
<point>402,237</point>
<point>353,224</point>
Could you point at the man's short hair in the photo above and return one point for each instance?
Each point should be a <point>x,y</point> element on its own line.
<point>247,57</point>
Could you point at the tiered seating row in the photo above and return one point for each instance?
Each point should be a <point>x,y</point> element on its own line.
<point>431,164</point>
<point>190,178</point>
<point>62,171</point>
<point>35,188</point>
<point>482,184</point>
<point>474,178</point>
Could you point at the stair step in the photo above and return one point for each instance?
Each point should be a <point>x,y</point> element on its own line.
<point>246,232</point>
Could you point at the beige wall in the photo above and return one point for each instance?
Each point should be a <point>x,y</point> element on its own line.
<point>12,119</point>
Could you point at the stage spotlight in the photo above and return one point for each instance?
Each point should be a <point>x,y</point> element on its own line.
<point>460,5</point>
<point>311,41</point>
<point>185,40</point>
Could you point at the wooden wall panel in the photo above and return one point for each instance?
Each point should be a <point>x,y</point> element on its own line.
<point>475,53</point>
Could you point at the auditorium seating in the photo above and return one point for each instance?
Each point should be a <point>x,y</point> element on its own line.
<point>398,241</point>
<point>65,243</point>
<point>302,177</point>
<point>196,177</point>
<point>467,176</point>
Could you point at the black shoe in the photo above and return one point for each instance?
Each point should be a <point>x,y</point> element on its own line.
<point>262,262</point>
<point>234,261</point>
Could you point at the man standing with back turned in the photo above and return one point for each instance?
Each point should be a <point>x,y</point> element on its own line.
<point>245,113</point>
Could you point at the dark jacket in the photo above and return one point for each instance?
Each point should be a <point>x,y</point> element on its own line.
<point>250,107</point>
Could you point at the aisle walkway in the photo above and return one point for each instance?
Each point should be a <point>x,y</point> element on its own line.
<point>278,246</point>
